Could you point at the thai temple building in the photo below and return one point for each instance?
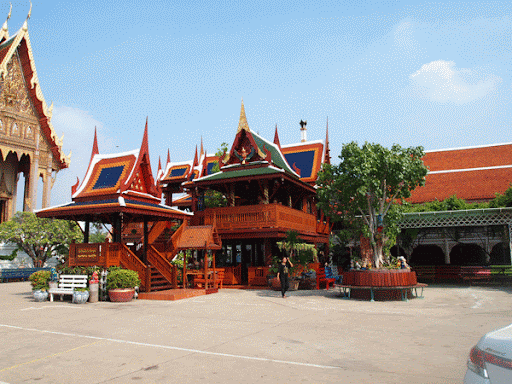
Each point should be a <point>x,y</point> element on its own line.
<point>267,189</point>
<point>472,237</point>
<point>28,142</point>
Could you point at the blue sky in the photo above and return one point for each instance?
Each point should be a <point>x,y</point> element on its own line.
<point>413,73</point>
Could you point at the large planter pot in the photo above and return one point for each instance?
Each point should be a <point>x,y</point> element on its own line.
<point>40,295</point>
<point>121,295</point>
<point>80,297</point>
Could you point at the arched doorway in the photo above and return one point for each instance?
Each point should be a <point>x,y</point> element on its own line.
<point>500,254</point>
<point>427,255</point>
<point>468,254</point>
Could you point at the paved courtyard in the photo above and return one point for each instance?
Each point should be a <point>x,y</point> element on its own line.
<point>238,336</point>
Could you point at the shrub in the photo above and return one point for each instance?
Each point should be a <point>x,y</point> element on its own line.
<point>122,278</point>
<point>39,280</point>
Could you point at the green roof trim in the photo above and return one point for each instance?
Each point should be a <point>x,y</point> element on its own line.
<point>243,172</point>
<point>277,157</point>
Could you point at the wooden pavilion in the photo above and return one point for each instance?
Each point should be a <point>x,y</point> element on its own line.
<point>269,189</point>
<point>119,190</point>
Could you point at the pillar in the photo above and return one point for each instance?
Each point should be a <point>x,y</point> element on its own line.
<point>47,186</point>
<point>86,231</point>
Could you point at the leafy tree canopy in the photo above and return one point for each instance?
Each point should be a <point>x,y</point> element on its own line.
<point>366,183</point>
<point>40,238</point>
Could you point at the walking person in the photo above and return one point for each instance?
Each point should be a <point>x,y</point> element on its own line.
<point>282,274</point>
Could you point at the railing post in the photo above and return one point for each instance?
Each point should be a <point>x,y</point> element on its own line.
<point>148,278</point>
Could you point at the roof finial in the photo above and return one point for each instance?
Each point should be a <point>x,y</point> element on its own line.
<point>276,139</point>
<point>202,150</point>
<point>5,30</point>
<point>25,24</point>
<point>168,156</point>
<point>327,155</point>
<point>242,123</point>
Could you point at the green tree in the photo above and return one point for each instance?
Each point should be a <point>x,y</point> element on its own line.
<point>368,181</point>
<point>98,233</point>
<point>504,200</point>
<point>40,238</point>
<point>212,198</point>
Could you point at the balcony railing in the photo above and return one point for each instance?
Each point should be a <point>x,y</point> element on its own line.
<point>265,216</point>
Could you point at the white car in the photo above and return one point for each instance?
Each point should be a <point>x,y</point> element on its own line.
<point>490,360</point>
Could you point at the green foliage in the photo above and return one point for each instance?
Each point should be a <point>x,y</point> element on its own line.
<point>369,181</point>
<point>39,280</point>
<point>178,260</point>
<point>122,278</point>
<point>98,233</point>
<point>40,238</point>
<point>10,257</point>
<point>504,200</point>
<point>212,198</point>
<point>452,203</point>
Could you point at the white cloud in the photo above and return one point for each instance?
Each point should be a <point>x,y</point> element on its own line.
<point>441,81</point>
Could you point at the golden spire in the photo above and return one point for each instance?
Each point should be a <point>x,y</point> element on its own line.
<point>5,30</point>
<point>242,123</point>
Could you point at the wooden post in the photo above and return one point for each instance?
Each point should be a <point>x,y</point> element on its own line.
<point>184,276</point>
<point>205,267</point>
<point>145,251</point>
<point>214,272</point>
<point>86,231</point>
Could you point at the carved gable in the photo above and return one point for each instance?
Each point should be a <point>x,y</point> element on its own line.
<point>14,96</point>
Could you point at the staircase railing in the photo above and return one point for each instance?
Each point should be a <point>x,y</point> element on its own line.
<point>166,269</point>
<point>127,259</point>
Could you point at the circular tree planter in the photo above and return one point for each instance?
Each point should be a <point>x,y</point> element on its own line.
<point>380,278</point>
<point>121,295</point>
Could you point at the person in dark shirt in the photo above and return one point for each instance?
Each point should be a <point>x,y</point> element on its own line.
<point>282,274</point>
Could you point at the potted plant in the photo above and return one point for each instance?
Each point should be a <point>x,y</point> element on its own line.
<point>39,281</point>
<point>121,284</point>
<point>80,295</point>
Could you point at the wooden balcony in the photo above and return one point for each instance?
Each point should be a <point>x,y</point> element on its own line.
<point>260,217</point>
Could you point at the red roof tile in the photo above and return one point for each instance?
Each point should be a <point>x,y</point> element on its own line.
<point>465,158</point>
<point>470,186</point>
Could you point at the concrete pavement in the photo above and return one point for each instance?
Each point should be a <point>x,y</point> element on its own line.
<point>241,336</point>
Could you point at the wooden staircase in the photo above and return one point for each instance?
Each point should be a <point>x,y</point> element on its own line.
<point>159,274</point>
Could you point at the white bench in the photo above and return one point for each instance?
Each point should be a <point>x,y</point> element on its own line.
<point>67,285</point>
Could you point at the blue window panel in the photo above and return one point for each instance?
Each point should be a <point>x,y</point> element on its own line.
<point>177,172</point>
<point>303,161</point>
<point>210,167</point>
<point>109,177</point>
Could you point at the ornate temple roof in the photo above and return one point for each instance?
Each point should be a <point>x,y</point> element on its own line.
<point>249,155</point>
<point>121,182</point>
<point>19,45</point>
<point>473,173</point>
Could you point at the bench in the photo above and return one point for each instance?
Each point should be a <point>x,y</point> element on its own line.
<point>425,272</point>
<point>471,274</point>
<point>322,279</point>
<point>68,284</point>
<point>403,290</point>
<point>200,282</point>
<point>18,273</point>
